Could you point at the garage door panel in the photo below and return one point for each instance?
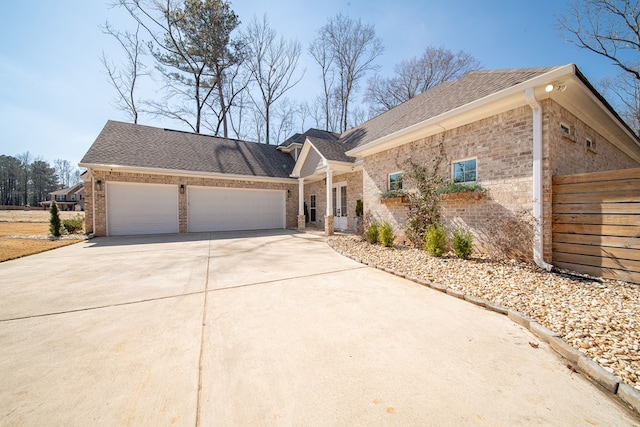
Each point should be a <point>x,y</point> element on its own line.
<point>223,209</point>
<point>141,209</point>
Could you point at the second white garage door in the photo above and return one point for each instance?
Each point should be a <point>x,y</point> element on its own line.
<point>227,209</point>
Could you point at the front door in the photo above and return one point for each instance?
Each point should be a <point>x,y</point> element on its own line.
<point>340,206</point>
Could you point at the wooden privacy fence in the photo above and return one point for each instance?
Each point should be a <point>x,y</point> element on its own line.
<point>596,224</point>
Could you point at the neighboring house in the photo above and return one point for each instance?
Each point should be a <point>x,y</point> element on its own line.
<point>508,130</point>
<point>67,199</point>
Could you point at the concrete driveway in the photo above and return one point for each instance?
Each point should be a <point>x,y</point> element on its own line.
<point>251,329</point>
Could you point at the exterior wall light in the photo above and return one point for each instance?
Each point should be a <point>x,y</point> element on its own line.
<point>181,188</point>
<point>98,185</point>
<point>549,88</point>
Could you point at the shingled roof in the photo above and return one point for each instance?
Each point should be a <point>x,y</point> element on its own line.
<point>300,138</point>
<point>438,100</point>
<point>138,146</point>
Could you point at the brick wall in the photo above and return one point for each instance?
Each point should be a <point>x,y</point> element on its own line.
<point>502,145</point>
<point>571,156</point>
<point>106,176</point>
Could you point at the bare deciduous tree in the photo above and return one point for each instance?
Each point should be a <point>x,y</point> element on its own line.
<point>610,28</point>
<point>349,49</point>
<point>64,172</point>
<point>416,75</point>
<point>124,77</point>
<point>624,90</point>
<point>273,63</point>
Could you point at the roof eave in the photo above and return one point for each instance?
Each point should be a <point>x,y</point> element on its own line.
<point>185,173</point>
<point>467,113</point>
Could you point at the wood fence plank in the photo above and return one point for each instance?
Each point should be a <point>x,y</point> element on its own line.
<point>597,176</point>
<point>603,262</point>
<point>598,251</point>
<point>596,187</point>
<point>602,197</point>
<point>598,208</point>
<point>607,241</point>
<point>608,273</point>
<point>595,219</point>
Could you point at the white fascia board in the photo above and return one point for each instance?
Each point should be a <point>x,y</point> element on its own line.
<point>343,166</point>
<point>177,172</point>
<point>468,113</point>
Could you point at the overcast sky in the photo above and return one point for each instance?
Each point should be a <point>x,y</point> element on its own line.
<point>55,99</point>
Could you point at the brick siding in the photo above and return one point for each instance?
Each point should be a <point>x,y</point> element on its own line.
<point>502,145</point>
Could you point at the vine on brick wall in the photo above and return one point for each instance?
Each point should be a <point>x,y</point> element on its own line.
<point>424,203</point>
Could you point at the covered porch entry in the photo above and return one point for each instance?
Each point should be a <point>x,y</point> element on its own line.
<point>327,189</point>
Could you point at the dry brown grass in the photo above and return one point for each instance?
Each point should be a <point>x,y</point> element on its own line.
<point>25,233</point>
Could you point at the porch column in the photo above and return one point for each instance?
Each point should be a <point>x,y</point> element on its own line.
<point>301,218</point>
<point>328,219</point>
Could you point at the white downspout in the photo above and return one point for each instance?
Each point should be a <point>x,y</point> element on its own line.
<point>537,180</point>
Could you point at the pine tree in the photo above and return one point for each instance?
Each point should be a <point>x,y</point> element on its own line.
<point>55,226</point>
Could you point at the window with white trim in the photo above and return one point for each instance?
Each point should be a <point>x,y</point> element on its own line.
<point>312,208</point>
<point>464,171</point>
<point>567,131</point>
<point>591,145</point>
<point>395,181</point>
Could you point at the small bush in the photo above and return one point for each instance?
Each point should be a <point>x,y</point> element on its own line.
<point>373,233</point>
<point>436,240</point>
<point>387,237</point>
<point>462,242</point>
<point>359,208</point>
<point>55,226</point>
<point>73,225</point>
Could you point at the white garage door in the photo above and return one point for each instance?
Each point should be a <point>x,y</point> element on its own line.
<point>141,209</point>
<point>225,209</point>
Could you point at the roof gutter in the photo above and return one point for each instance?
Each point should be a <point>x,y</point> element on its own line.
<point>178,172</point>
<point>538,224</point>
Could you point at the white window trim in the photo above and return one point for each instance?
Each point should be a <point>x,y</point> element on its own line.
<point>389,179</point>
<point>460,161</point>
<point>591,144</point>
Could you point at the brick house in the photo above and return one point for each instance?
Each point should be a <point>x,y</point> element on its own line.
<point>68,199</point>
<point>508,130</point>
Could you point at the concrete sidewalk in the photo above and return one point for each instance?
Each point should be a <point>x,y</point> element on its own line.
<point>263,329</point>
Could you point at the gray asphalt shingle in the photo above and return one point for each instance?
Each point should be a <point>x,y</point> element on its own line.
<point>126,144</point>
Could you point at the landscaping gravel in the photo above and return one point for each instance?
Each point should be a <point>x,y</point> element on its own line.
<point>599,317</point>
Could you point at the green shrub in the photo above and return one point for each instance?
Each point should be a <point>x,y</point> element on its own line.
<point>462,242</point>
<point>436,240</point>
<point>373,233</point>
<point>55,226</point>
<point>386,235</point>
<point>73,225</point>
<point>456,187</point>
<point>392,193</point>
